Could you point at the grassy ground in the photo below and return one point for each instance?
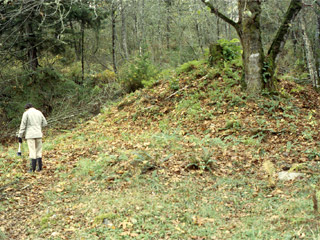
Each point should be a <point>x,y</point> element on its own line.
<point>181,160</point>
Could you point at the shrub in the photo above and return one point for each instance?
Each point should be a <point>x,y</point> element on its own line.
<point>224,50</point>
<point>138,73</point>
<point>73,72</point>
<point>104,77</point>
<point>189,66</point>
<point>41,88</point>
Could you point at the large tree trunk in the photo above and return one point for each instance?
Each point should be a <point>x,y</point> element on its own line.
<point>279,41</point>
<point>250,35</point>
<point>311,62</point>
<point>258,69</point>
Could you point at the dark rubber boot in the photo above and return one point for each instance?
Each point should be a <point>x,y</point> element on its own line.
<point>39,160</point>
<point>33,164</point>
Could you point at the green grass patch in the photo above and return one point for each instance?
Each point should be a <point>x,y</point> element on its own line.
<point>238,207</point>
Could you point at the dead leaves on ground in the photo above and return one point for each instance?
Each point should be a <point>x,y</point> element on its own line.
<point>261,129</point>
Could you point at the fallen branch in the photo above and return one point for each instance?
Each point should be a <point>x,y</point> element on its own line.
<point>177,92</point>
<point>52,120</point>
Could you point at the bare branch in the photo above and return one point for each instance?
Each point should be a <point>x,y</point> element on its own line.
<point>215,11</point>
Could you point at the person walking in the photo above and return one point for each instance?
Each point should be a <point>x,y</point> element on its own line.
<point>31,126</point>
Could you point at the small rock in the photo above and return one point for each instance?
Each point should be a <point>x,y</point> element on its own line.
<point>107,222</point>
<point>134,221</point>
<point>287,176</point>
<point>54,234</point>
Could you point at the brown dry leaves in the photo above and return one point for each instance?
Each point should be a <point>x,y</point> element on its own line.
<point>120,130</point>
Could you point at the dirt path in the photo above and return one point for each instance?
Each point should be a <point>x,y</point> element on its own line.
<point>23,200</point>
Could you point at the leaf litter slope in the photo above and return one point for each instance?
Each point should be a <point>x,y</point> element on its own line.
<point>208,126</point>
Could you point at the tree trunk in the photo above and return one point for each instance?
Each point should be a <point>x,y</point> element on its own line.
<point>142,29</point>
<point>258,69</point>
<point>280,39</point>
<point>317,45</point>
<point>113,20</point>
<point>75,42</point>
<point>311,62</point>
<point>124,31</point>
<point>218,28</point>
<point>250,37</point>
<point>198,30</point>
<point>294,42</point>
<point>32,49</point>
<point>82,52</point>
<point>168,29</point>
<point>136,24</point>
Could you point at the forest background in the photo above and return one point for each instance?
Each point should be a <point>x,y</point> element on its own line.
<point>70,57</point>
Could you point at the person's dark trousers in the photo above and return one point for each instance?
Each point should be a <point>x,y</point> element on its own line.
<point>39,161</point>
<point>33,164</point>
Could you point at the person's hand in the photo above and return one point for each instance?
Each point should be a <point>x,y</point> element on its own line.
<point>20,140</point>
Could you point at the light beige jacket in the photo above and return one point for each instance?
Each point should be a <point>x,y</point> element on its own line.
<point>32,123</point>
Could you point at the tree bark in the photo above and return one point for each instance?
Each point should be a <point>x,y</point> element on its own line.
<point>279,40</point>
<point>250,36</point>
<point>311,62</point>
<point>113,25</point>
<point>278,44</point>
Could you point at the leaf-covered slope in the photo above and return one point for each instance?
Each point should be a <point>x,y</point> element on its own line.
<point>209,123</point>
<point>197,121</point>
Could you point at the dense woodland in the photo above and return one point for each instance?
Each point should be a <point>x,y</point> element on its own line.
<point>69,57</point>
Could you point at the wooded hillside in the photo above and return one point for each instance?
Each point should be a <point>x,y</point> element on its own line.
<point>153,132</point>
<point>70,57</point>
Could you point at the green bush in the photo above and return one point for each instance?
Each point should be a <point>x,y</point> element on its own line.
<point>190,66</point>
<point>231,49</point>
<point>138,73</point>
<point>103,77</point>
<point>224,50</point>
<point>73,72</point>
